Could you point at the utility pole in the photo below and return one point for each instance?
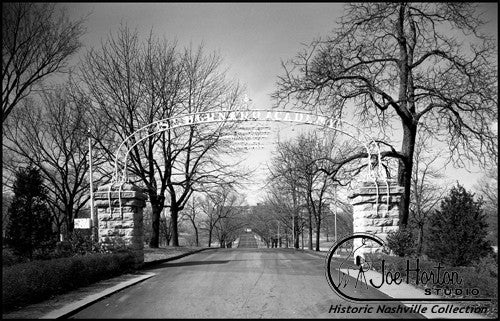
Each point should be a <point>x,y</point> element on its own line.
<point>335,208</point>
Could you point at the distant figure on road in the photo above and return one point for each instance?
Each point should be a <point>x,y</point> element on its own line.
<point>274,242</point>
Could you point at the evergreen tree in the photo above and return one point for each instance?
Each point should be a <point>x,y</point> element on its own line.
<point>457,232</point>
<point>29,230</point>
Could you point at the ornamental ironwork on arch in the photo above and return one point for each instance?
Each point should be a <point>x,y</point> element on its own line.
<point>251,115</point>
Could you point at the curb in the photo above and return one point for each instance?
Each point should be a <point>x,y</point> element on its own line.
<point>78,305</point>
<point>149,264</point>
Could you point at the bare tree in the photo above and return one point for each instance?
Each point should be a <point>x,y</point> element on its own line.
<point>166,228</point>
<point>191,213</point>
<point>341,222</point>
<point>426,189</point>
<point>37,41</point>
<point>284,178</point>
<point>487,186</point>
<point>281,214</point>
<point>311,163</point>
<point>422,65</point>
<point>130,84</point>
<point>229,227</point>
<point>51,134</point>
<point>222,207</point>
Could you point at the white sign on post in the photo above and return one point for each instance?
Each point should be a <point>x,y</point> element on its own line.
<point>82,223</point>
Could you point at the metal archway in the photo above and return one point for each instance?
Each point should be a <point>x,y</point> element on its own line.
<point>221,116</point>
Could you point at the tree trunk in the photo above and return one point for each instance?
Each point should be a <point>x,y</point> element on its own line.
<point>210,236</point>
<point>420,238</point>
<point>297,232</point>
<point>196,235</point>
<point>406,108</point>
<point>156,208</point>
<point>174,214</point>
<point>405,171</point>
<point>70,224</point>
<point>310,231</point>
<point>318,226</point>
<point>295,220</point>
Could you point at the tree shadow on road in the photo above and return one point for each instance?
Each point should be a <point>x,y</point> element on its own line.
<point>166,265</point>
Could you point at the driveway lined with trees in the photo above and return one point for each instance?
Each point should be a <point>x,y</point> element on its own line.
<point>234,283</point>
<point>421,76</point>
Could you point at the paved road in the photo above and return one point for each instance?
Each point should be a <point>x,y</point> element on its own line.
<point>232,283</point>
<point>247,240</point>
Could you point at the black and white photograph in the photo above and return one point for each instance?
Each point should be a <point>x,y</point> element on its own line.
<point>250,160</point>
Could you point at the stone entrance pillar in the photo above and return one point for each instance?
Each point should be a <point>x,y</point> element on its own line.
<point>120,211</point>
<point>373,214</point>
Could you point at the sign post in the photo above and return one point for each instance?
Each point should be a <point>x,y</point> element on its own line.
<point>82,223</point>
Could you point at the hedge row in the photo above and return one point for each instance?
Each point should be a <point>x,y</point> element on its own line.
<point>36,281</point>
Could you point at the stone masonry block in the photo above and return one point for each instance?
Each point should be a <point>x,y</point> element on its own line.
<point>362,222</point>
<point>118,210</point>
<point>102,210</point>
<point>128,216</point>
<point>387,229</point>
<point>128,224</point>
<point>365,214</point>
<point>107,232</point>
<point>394,213</point>
<point>392,198</point>
<point>382,222</point>
<point>365,207</point>
<point>123,209</point>
<point>123,195</point>
<point>383,206</point>
<point>103,216</point>
<point>373,199</point>
<point>114,224</point>
<point>115,202</point>
<point>368,229</point>
<point>368,186</point>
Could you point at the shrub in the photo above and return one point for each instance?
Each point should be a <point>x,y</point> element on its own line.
<point>75,243</point>
<point>481,276</point>
<point>29,229</point>
<point>457,233</point>
<point>401,242</point>
<point>487,265</point>
<point>38,280</point>
<point>10,258</point>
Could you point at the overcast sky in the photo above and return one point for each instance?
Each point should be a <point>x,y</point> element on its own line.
<point>252,38</point>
